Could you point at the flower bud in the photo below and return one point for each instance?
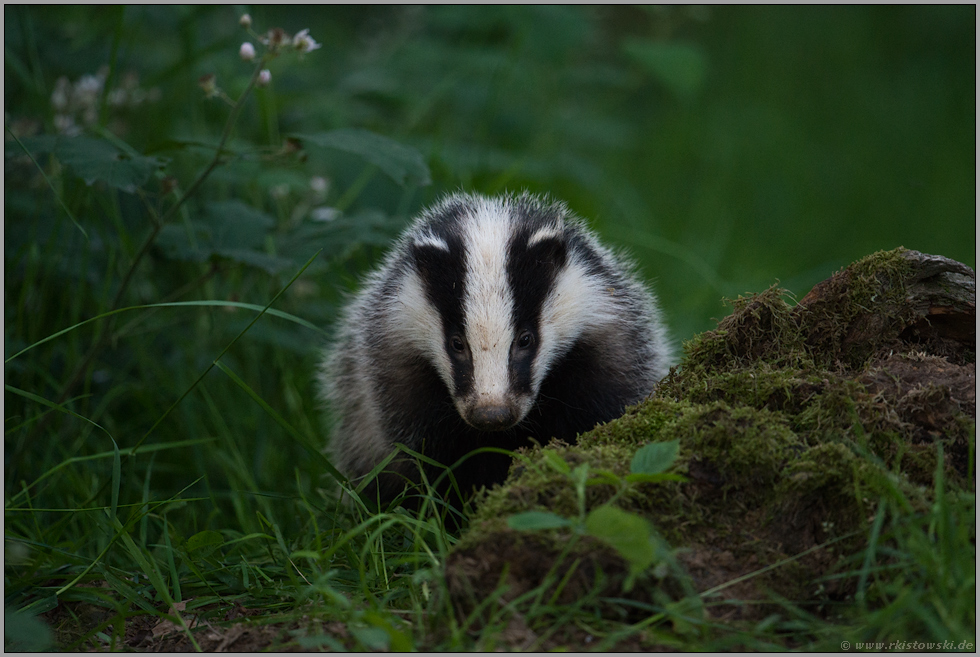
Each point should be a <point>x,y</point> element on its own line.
<point>245,21</point>
<point>209,84</point>
<point>247,52</point>
<point>265,77</point>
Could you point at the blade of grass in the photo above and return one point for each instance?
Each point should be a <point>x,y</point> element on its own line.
<point>148,566</point>
<point>116,536</point>
<point>170,560</point>
<point>225,350</point>
<point>101,455</point>
<point>869,554</point>
<point>306,442</point>
<point>116,479</point>
<point>56,407</point>
<point>48,181</point>
<point>177,304</point>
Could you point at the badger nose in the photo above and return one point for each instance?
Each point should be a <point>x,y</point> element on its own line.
<point>492,418</point>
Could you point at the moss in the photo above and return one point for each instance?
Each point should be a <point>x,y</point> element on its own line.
<point>793,422</point>
<point>761,324</point>
<point>859,310</point>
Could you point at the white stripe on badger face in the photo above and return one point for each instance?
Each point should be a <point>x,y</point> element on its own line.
<point>417,322</point>
<point>543,234</point>
<point>488,302</point>
<point>432,240</point>
<point>576,304</point>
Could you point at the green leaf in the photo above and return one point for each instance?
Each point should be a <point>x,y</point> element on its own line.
<point>37,145</point>
<point>229,229</point>
<point>655,457</point>
<point>641,478</point>
<point>96,160</point>
<point>25,633</point>
<point>535,520</point>
<point>681,67</point>
<point>401,163</point>
<point>373,638</point>
<point>206,541</point>
<point>628,533</point>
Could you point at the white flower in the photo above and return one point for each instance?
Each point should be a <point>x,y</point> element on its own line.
<point>304,43</point>
<point>89,85</point>
<point>60,95</point>
<point>325,213</point>
<point>319,185</point>
<point>245,21</point>
<point>265,77</point>
<point>247,51</point>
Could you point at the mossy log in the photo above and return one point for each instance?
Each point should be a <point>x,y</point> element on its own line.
<point>794,423</point>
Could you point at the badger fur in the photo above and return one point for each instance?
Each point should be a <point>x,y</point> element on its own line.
<point>492,322</point>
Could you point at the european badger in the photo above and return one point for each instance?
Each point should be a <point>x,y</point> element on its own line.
<point>493,321</point>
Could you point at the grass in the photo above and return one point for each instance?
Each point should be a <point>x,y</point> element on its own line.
<point>168,287</point>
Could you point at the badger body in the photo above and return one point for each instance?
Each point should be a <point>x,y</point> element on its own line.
<point>492,322</point>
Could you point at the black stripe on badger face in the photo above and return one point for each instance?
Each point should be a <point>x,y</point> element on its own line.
<point>440,261</point>
<point>535,255</point>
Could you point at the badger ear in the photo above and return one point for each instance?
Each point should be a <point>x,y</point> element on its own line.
<point>547,249</point>
<point>430,254</point>
<point>442,269</point>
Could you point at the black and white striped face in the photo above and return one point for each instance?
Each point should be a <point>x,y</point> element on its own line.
<point>496,290</point>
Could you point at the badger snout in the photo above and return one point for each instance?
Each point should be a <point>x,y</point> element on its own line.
<point>492,417</point>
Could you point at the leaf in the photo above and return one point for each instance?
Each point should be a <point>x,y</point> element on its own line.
<point>229,229</point>
<point>681,67</point>
<point>535,520</point>
<point>401,163</point>
<point>25,633</point>
<point>374,639</point>
<point>37,145</point>
<point>655,457</point>
<point>206,541</point>
<point>97,160</point>
<point>642,478</point>
<point>628,533</point>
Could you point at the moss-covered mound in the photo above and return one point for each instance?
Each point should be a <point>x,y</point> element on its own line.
<point>793,423</point>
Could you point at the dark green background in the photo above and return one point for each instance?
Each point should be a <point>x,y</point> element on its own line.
<point>725,147</point>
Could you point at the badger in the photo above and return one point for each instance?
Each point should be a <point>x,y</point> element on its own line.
<point>493,322</point>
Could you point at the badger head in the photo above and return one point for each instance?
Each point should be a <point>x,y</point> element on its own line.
<point>494,292</point>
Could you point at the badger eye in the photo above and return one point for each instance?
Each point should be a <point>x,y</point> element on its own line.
<point>525,340</point>
<point>457,344</point>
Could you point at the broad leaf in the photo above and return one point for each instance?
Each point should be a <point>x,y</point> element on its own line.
<point>228,229</point>
<point>205,541</point>
<point>95,160</point>
<point>535,520</point>
<point>655,457</point>
<point>401,163</point>
<point>628,533</point>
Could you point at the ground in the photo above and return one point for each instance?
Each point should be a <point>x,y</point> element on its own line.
<point>798,428</point>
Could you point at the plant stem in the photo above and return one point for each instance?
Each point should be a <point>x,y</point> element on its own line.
<point>105,330</point>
